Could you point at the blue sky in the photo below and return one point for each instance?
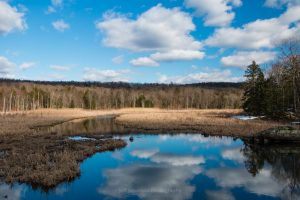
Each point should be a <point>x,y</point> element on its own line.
<point>180,41</point>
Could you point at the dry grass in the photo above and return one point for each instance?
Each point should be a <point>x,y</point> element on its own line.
<point>45,161</point>
<point>217,122</point>
<point>212,122</point>
<point>21,123</point>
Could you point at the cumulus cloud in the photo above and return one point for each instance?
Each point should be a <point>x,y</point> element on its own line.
<point>154,181</point>
<point>210,141</point>
<point>144,153</point>
<point>166,158</point>
<point>210,76</point>
<point>280,3</point>
<point>244,58</point>
<point>215,12</point>
<point>234,154</point>
<point>260,33</point>
<point>59,67</point>
<point>11,19</point>
<point>177,160</point>
<point>27,65</point>
<point>219,195</point>
<point>60,25</point>
<point>262,184</point>
<point>108,75</point>
<point>176,55</point>
<point>169,56</point>
<point>145,32</point>
<point>144,61</point>
<point>6,67</point>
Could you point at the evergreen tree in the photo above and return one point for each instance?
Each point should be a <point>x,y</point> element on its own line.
<point>254,94</point>
<point>273,99</point>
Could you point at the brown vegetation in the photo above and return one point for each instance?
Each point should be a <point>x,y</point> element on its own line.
<point>212,122</point>
<point>47,160</point>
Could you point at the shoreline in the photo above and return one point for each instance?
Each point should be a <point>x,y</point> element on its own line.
<point>208,122</point>
<point>28,152</point>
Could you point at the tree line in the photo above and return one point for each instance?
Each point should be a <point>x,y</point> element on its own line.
<point>276,93</point>
<point>17,95</point>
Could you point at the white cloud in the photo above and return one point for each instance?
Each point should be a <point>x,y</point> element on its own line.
<point>27,65</point>
<point>118,60</point>
<point>219,195</point>
<point>176,55</point>
<point>144,61</point>
<point>10,19</point>
<point>233,154</point>
<point>169,56</point>
<point>215,12</point>
<point>145,33</point>
<point>208,141</point>
<point>144,153</point>
<point>150,181</point>
<point>260,33</point>
<point>280,3</point>
<point>59,67</point>
<point>262,184</point>
<point>6,67</point>
<point>210,76</point>
<point>60,25</point>
<point>92,74</point>
<point>166,158</point>
<point>177,160</point>
<point>244,58</point>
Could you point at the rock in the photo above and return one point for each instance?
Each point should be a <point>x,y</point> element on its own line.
<point>282,133</point>
<point>131,139</point>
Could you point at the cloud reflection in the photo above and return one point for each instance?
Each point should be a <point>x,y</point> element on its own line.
<point>150,181</point>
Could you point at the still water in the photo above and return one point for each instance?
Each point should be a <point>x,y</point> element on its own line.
<point>179,166</point>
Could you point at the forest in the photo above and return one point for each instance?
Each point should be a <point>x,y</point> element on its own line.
<point>275,93</point>
<point>19,95</point>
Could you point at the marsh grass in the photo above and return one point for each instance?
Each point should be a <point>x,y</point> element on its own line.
<point>212,122</point>
<point>49,160</point>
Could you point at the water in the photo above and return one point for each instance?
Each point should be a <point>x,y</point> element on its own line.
<point>179,166</point>
<point>244,117</point>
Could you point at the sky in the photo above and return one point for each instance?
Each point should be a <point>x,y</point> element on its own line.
<point>142,41</point>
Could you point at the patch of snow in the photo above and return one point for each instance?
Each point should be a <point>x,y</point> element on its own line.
<point>80,138</point>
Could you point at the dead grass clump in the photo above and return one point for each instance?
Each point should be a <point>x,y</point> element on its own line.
<point>48,161</point>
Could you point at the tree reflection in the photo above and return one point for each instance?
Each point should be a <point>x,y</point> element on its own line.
<point>284,161</point>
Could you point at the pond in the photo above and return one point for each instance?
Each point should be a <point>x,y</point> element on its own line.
<point>178,166</point>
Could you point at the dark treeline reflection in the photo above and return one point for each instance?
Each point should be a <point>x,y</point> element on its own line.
<point>284,160</point>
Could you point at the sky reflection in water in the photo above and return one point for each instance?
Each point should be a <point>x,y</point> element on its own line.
<point>178,167</point>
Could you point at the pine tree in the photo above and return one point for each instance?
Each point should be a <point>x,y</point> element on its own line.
<point>273,99</point>
<point>254,94</point>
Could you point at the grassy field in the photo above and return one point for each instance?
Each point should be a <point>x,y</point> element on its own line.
<point>216,122</point>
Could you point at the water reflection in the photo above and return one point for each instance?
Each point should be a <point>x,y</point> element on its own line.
<point>100,125</point>
<point>166,166</point>
<point>150,181</point>
<point>283,161</point>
